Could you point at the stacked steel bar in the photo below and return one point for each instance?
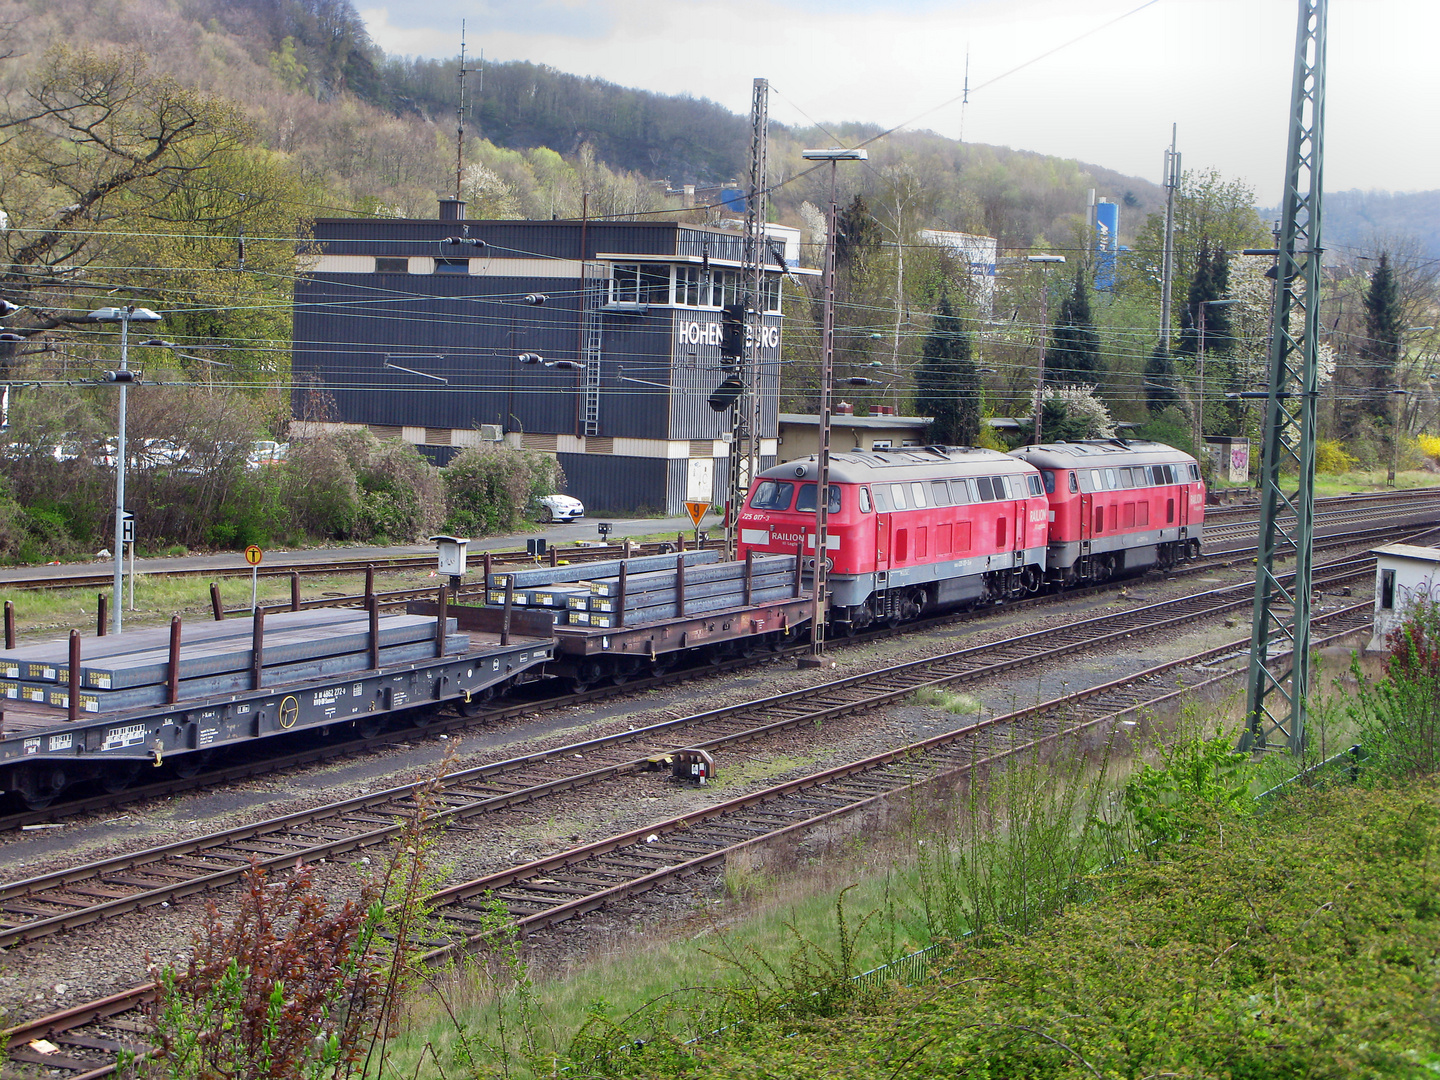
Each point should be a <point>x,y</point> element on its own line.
<point>631,595</point>
<point>135,668</point>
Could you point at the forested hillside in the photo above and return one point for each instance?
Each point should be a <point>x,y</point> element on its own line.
<point>177,156</point>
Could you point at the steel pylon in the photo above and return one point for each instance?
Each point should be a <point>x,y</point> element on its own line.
<point>1276,694</point>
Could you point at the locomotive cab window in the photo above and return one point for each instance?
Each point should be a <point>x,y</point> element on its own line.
<point>1097,482</point>
<point>865,507</point>
<point>897,493</point>
<point>1074,483</point>
<point>1049,476</point>
<point>774,495</point>
<point>806,502</point>
<point>1035,484</point>
<point>882,500</point>
<point>1194,472</point>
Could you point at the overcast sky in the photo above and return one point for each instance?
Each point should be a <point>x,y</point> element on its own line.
<point>1103,79</point>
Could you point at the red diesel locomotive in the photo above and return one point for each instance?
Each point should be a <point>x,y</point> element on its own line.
<point>918,529</point>
<point>908,530</point>
<point>1117,506</point>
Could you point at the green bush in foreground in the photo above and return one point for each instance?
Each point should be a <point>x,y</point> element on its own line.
<point>1299,943</point>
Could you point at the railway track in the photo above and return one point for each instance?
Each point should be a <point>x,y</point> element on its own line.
<point>262,762</point>
<point>500,560</point>
<point>548,891</point>
<point>41,906</point>
<point>1354,505</point>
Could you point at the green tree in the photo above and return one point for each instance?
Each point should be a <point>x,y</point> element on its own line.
<point>1160,391</point>
<point>948,382</point>
<point>1210,282</point>
<point>1384,327</point>
<point>1073,355</point>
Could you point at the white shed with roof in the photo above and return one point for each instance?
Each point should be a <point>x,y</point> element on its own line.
<point>1405,574</point>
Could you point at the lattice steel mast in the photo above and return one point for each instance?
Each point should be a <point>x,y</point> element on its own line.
<point>1275,702</point>
<point>745,434</point>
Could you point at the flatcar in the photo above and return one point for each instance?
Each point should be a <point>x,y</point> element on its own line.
<point>1117,506</point>
<point>909,530</point>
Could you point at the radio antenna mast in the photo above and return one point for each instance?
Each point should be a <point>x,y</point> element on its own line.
<point>460,109</point>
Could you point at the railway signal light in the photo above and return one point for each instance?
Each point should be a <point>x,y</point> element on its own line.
<point>726,394</point>
<point>732,333</point>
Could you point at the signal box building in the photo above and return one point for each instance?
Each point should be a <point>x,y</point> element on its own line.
<point>598,342</point>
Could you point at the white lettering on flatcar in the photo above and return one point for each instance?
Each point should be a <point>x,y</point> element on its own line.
<point>61,742</point>
<point>129,735</point>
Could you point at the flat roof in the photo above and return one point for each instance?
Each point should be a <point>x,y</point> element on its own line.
<point>851,420</point>
<point>1408,551</point>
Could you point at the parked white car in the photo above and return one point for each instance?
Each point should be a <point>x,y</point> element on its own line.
<point>560,508</point>
<point>266,452</point>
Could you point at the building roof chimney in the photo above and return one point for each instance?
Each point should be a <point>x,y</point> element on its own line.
<point>452,209</point>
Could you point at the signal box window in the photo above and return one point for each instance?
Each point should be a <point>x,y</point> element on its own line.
<point>452,266</point>
<point>1387,589</point>
<point>775,495</point>
<point>640,283</point>
<point>806,501</point>
<point>384,265</point>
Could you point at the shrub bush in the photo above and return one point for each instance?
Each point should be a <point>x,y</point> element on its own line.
<point>1331,458</point>
<point>489,488</point>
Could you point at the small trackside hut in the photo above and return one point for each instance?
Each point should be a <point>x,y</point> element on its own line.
<point>97,709</point>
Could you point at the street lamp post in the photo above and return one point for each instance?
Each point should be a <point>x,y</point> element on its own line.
<point>1044,260</point>
<point>122,378</point>
<point>816,656</point>
<point>1200,379</point>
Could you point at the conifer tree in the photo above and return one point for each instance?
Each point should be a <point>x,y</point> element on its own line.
<point>1380,351</point>
<point>947,383</point>
<point>1211,282</point>
<point>1073,355</point>
<point>1160,380</point>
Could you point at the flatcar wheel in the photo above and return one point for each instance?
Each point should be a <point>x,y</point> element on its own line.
<point>626,668</point>
<point>189,766</point>
<point>478,703</point>
<point>587,674</point>
<point>663,663</point>
<point>370,725</point>
<point>114,781</point>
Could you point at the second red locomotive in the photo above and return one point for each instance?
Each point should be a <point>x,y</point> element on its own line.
<point>939,526</point>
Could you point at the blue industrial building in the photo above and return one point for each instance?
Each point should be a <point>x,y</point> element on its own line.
<point>415,328</point>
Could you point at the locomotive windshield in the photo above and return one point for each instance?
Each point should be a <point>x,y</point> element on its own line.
<point>775,495</point>
<point>807,499</point>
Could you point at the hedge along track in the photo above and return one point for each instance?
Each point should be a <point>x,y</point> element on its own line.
<point>266,761</point>
<point>548,891</point>
<point>45,905</point>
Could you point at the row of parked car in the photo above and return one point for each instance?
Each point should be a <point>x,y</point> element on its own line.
<point>141,453</point>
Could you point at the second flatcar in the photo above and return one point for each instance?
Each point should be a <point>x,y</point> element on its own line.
<point>908,530</point>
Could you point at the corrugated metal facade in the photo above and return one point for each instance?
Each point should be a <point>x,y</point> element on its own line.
<point>430,344</point>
